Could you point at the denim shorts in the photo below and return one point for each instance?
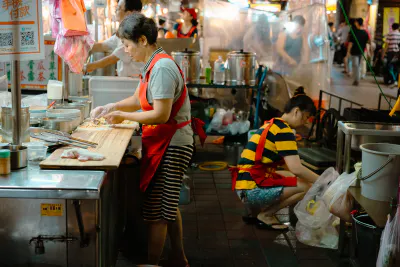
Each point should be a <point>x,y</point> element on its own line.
<point>260,197</point>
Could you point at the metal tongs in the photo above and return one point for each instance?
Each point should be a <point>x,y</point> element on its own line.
<point>60,138</point>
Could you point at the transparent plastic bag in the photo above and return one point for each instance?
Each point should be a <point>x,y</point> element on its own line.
<point>324,237</point>
<point>337,199</point>
<point>389,251</point>
<point>311,210</point>
<point>37,100</point>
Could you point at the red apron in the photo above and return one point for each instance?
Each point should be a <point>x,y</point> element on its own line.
<point>264,174</point>
<point>187,35</point>
<point>156,138</point>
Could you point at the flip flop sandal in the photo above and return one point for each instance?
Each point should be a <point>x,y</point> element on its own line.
<point>250,220</point>
<point>272,226</point>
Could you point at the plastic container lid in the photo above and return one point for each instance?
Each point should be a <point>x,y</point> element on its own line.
<point>4,153</point>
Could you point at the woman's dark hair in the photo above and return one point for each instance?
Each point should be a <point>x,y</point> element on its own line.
<point>136,25</point>
<point>302,101</point>
<point>133,5</point>
<point>161,21</point>
<point>299,20</point>
<point>194,22</point>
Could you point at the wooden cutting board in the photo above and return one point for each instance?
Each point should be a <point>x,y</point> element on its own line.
<point>112,143</point>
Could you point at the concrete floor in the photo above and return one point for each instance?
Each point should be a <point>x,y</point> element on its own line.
<point>214,234</point>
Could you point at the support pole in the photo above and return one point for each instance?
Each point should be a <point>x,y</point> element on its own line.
<point>16,103</point>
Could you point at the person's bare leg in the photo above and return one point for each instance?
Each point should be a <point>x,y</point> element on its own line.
<point>175,233</point>
<point>289,197</point>
<point>156,238</point>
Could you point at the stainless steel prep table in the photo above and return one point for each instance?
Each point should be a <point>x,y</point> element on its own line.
<point>60,218</point>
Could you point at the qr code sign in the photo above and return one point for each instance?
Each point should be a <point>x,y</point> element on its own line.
<point>6,39</point>
<point>27,38</point>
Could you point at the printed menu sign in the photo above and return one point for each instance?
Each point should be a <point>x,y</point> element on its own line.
<point>21,31</point>
<point>35,74</point>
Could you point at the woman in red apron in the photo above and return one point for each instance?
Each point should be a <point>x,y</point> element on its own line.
<point>167,135</point>
<point>259,186</point>
<point>188,28</point>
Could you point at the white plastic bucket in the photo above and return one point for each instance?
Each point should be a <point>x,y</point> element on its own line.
<point>382,161</point>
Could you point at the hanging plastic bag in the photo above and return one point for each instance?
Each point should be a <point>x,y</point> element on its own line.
<point>337,199</point>
<point>390,243</point>
<point>311,210</point>
<point>389,250</point>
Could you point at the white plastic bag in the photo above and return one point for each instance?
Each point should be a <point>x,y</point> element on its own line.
<point>311,210</point>
<point>337,199</point>
<point>390,243</point>
<point>315,226</point>
<point>389,251</point>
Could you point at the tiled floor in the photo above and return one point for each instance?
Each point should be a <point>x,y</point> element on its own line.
<point>214,234</point>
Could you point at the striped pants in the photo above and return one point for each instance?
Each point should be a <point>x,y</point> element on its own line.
<point>162,195</point>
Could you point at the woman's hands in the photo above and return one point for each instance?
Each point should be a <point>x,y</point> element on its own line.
<point>101,111</point>
<point>116,117</point>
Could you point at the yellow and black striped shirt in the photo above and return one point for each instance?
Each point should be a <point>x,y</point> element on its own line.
<point>280,142</point>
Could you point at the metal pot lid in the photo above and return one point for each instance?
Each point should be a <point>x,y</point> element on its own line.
<point>186,52</point>
<point>241,53</point>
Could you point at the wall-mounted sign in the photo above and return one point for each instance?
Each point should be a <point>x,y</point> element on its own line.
<point>21,31</point>
<point>35,74</point>
<point>390,16</point>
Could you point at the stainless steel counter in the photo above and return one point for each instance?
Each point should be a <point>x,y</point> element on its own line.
<point>63,218</point>
<point>31,182</point>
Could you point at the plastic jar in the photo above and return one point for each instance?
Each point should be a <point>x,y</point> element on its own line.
<point>5,162</point>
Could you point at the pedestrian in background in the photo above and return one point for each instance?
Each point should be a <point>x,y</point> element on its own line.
<point>391,52</point>
<point>354,51</point>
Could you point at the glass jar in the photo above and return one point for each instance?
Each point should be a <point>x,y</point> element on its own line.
<point>5,162</point>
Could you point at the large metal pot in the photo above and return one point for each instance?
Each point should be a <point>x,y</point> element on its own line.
<point>60,124</point>
<point>7,123</point>
<point>189,62</point>
<point>84,109</point>
<point>241,68</point>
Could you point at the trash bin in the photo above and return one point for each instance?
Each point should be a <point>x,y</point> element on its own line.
<point>368,237</point>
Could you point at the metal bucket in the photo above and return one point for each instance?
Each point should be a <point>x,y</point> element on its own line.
<point>380,171</point>
<point>233,151</point>
<point>7,122</point>
<point>241,68</point>
<point>189,62</point>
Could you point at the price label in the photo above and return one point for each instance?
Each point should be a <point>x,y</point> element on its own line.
<point>51,209</point>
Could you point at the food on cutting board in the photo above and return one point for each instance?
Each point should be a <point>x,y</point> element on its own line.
<point>101,123</point>
<point>81,154</point>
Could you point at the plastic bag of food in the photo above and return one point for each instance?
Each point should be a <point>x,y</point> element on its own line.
<point>311,210</point>
<point>325,237</point>
<point>337,199</point>
<point>389,251</point>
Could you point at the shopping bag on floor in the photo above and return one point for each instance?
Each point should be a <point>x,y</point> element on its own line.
<point>325,236</point>
<point>389,251</point>
<point>337,199</point>
<point>311,210</point>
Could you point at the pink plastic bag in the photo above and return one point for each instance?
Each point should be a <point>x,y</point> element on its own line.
<point>74,50</point>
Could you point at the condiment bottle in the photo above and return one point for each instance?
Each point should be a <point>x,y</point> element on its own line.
<point>5,163</point>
